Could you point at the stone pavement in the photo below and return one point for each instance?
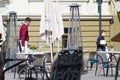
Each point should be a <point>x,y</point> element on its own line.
<point>90,75</point>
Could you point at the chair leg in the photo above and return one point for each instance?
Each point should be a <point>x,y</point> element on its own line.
<point>36,74</point>
<point>104,71</point>
<point>107,71</point>
<point>44,73</point>
<point>117,67</point>
<point>96,69</point>
<point>111,70</point>
<point>33,70</point>
<point>116,75</point>
<point>15,73</point>
<point>43,76</point>
<point>87,65</point>
<point>20,72</point>
<point>91,66</point>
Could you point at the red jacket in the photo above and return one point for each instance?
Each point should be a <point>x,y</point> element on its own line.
<point>23,35</point>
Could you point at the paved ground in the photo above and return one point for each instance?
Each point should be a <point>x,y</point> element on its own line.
<point>90,75</point>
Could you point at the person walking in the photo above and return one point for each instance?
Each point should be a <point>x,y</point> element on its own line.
<point>101,46</point>
<point>24,36</point>
<point>101,42</point>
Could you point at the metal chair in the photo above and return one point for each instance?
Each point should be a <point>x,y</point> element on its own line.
<point>117,69</point>
<point>91,57</point>
<point>105,63</point>
<point>31,69</point>
<point>25,70</point>
<point>40,65</point>
<point>20,66</point>
<point>68,65</point>
<point>112,64</point>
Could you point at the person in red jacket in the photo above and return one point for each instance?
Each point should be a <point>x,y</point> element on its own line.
<point>23,34</point>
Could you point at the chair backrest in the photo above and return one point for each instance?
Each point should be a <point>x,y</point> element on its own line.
<point>103,57</point>
<point>68,65</point>
<point>92,55</point>
<point>39,60</point>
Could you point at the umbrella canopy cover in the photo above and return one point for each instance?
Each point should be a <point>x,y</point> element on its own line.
<point>2,30</point>
<point>51,27</point>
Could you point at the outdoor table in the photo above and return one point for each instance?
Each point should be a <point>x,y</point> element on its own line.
<point>31,53</point>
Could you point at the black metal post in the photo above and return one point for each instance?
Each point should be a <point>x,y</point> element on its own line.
<point>100,13</point>
<point>1,65</point>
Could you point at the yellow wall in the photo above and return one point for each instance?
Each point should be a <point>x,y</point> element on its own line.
<point>115,26</point>
<point>90,31</point>
<point>34,37</point>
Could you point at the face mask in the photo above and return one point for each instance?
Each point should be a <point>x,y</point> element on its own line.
<point>103,34</point>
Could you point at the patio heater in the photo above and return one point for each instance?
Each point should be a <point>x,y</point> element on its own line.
<point>74,30</point>
<point>100,13</point>
<point>11,37</point>
<point>11,45</point>
<point>68,65</point>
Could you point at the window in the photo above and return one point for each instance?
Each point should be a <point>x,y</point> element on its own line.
<point>35,0</point>
<point>118,13</point>
<point>116,0</point>
<point>72,0</point>
<point>4,1</point>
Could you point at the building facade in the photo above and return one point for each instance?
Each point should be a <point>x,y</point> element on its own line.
<point>89,20</point>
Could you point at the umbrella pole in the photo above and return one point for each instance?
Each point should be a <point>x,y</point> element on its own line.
<point>51,46</point>
<point>51,50</point>
<point>58,45</point>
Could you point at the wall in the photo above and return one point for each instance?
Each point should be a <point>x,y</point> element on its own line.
<point>90,32</point>
<point>88,14</point>
<point>115,26</point>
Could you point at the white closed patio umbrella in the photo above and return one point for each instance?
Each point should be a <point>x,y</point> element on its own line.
<point>2,30</point>
<point>51,27</point>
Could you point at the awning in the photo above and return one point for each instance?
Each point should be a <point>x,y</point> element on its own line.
<point>116,38</point>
